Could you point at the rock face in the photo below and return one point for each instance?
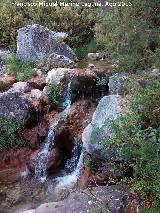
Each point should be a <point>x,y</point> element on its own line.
<point>36,43</point>
<point>15,104</point>
<point>99,131</point>
<point>118,84</point>
<point>83,82</point>
<point>54,160</point>
<point>98,199</point>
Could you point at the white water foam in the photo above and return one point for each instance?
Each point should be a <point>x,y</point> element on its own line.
<point>70,180</point>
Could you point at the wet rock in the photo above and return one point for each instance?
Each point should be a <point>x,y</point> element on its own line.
<point>99,131</point>
<point>101,199</point>
<point>35,135</point>
<point>54,160</point>
<point>78,118</point>
<point>14,158</point>
<point>36,43</point>
<point>15,104</point>
<point>118,84</point>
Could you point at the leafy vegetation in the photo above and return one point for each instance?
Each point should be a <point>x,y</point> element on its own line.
<point>76,21</point>
<point>132,34</point>
<point>93,46</point>
<point>22,71</point>
<point>138,137</point>
<point>9,133</point>
<point>53,94</point>
<point>3,86</point>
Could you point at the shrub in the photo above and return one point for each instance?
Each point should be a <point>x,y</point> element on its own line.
<point>93,46</point>
<point>77,22</point>
<point>3,86</point>
<point>132,33</point>
<point>82,64</point>
<point>53,94</point>
<point>9,133</point>
<point>22,71</point>
<point>137,136</point>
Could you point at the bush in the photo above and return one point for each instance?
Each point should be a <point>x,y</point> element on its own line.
<point>9,133</point>
<point>138,138</point>
<point>77,22</point>
<point>22,71</point>
<point>53,94</point>
<point>132,34</point>
<point>93,46</point>
<point>3,86</point>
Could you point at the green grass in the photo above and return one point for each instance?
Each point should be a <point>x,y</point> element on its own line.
<point>93,46</point>
<point>53,94</point>
<point>9,136</point>
<point>22,71</point>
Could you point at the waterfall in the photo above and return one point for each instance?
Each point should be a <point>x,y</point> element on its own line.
<point>41,166</point>
<point>71,179</point>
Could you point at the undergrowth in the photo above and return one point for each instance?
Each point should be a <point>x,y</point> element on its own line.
<point>9,136</point>
<point>21,70</point>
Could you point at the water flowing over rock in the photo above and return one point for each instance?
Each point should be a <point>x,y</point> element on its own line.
<point>36,43</point>
<point>84,82</point>
<point>69,181</point>
<point>109,109</point>
<point>48,156</point>
<point>15,104</point>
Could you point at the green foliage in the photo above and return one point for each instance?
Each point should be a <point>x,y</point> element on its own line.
<point>76,21</point>
<point>132,34</point>
<point>82,64</point>
<point>9,133</point>
<point>22,71</point>
<point>53,94</point>
<point>92,164</point>
<point>93,46</point>
<point>138,138</point>
<point>3,86</point>
<point>101,81</point>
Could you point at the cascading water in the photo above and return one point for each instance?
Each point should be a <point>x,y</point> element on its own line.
<point>71,179</point>
<point>41,167</point>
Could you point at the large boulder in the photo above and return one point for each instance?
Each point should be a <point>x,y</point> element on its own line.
<point>100,130</point>
<point>36,43</point>
<point>16,105</point>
